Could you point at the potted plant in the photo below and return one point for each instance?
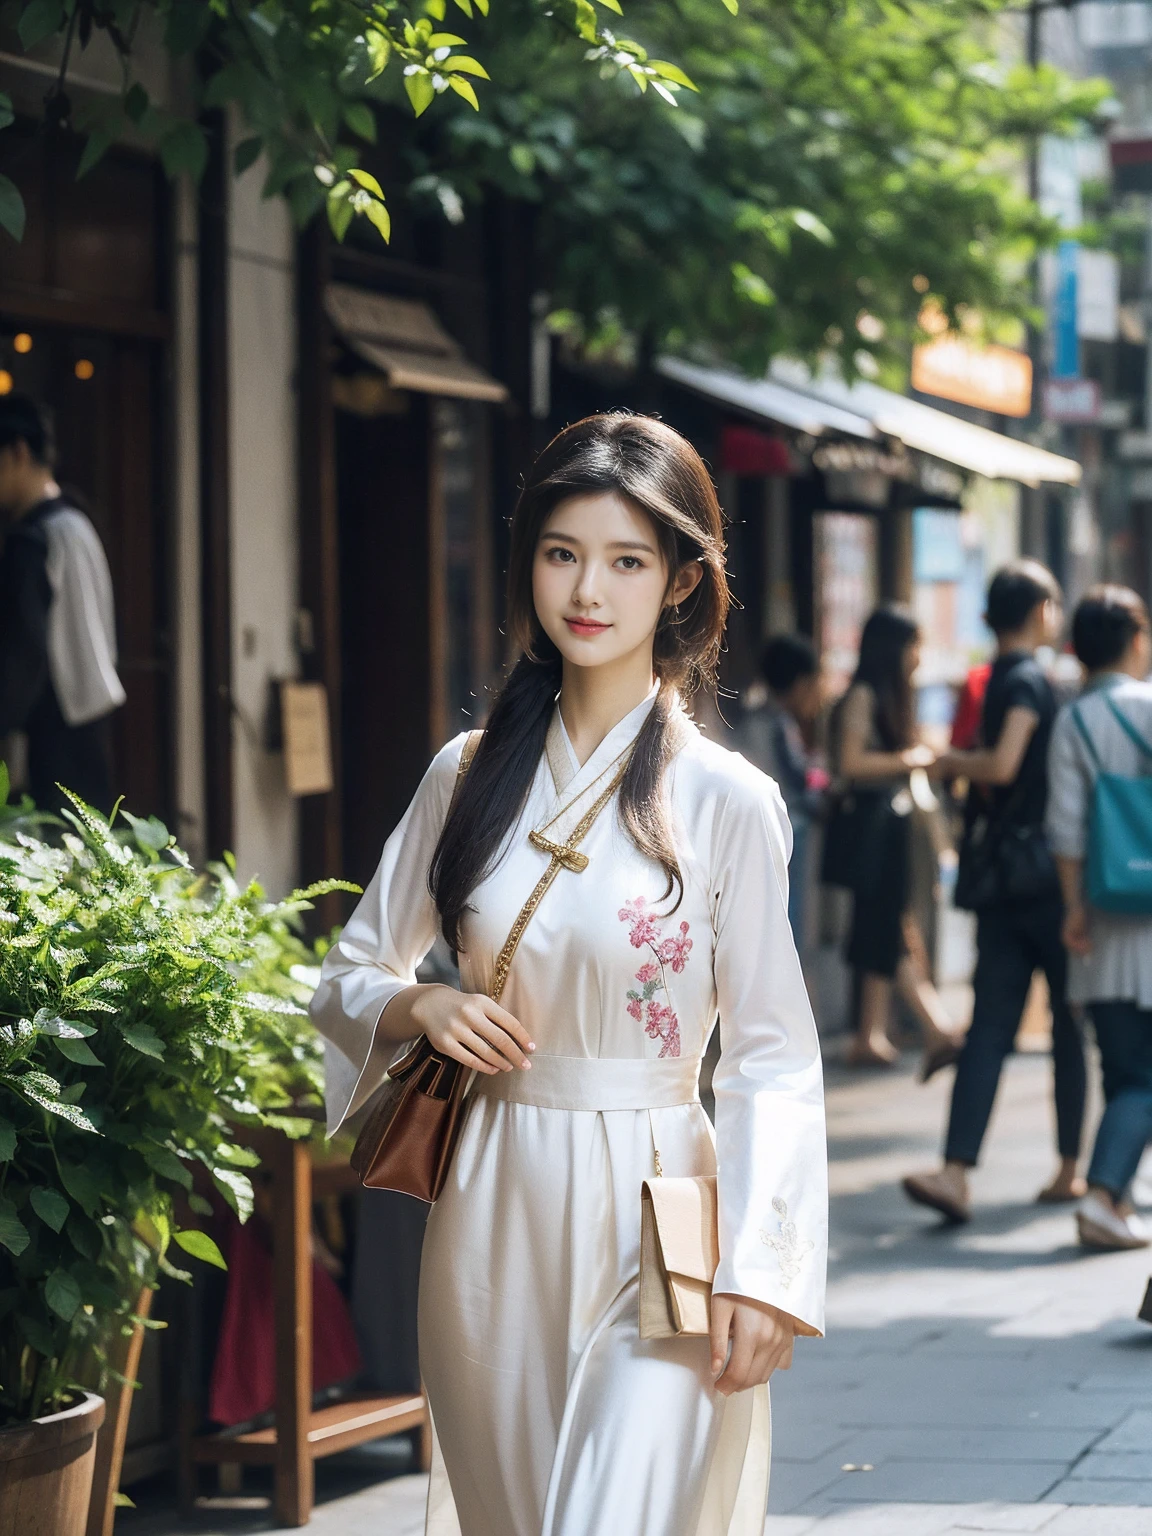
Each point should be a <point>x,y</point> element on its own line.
<point>134,1039</point>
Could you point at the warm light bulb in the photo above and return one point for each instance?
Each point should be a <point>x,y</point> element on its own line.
<point>22,342</point>
<point>84,369</point>
<point>5,381</point>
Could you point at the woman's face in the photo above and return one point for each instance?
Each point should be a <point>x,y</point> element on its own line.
<point>599,581</point>
<point>910,658</point>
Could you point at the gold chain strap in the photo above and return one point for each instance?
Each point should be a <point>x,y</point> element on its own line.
<point>563,856</point>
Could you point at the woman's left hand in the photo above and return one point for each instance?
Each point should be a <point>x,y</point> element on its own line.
<point>762,1339</point>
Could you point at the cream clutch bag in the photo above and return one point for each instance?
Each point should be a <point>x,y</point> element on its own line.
<point>679,1252</point>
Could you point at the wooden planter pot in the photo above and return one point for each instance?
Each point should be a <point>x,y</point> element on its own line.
<point>46,1471</point>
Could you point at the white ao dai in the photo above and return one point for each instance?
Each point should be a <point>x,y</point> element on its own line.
<point>552,1417</point>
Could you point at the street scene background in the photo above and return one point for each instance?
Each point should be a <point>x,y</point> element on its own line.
<point>290,296</point>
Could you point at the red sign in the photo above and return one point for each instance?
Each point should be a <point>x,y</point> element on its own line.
<point>748,451</point>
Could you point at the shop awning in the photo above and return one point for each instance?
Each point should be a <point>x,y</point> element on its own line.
<point>407,343</point>
<point>934,432</point>
<point>766,398</point>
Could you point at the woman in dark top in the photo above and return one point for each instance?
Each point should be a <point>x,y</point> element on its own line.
<point>877,753</point>
<point>1018,929</point>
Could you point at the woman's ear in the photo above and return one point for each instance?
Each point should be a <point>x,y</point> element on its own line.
<point>688,578</point>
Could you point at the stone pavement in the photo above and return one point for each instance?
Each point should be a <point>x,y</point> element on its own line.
<point>987,1378</point>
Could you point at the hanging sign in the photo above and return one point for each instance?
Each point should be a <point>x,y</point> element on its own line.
<point>991,378</point>
<point>1071,400</point>
<point>307,743</point>
<point>1065,335</point>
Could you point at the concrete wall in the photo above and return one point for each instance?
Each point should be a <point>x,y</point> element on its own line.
<point>262,360</point>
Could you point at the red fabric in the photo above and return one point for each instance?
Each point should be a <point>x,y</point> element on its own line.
<point>244,1370</point>
<point>970,707</point>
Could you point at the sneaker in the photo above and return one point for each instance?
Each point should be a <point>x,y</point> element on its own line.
<point>939,1193</point>
<point>1100,1227</point>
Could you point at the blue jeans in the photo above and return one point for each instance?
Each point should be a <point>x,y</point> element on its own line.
<point>1124,1036</point>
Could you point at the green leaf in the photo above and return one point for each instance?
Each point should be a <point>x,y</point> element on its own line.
<point>62,1294</point>
<point>446,40</point>
<point>143,1038</point>
<point>732,5</point>
<point>122,1501</point>
<point>11,219</point>
<point>236,1189</point>
<point>198,1204</point>
<point>45,1091</point>
<point>421,91</point>
<point>37,1334</point>
<point>51,1207</point>
<point>184,151</point>
<point>466,89</point>
<point>378,215</point>
<point>362,120</point>
<point>813,225</point>
<point>13,1233</point>
<point>613,5</point>
<point>673,72</point>
<point>464,66</point>
<point>379,50</point>
<point>83,1185</point>
<point>49,1023</point>
<point>7,1140</point>
<point>246,154</point>
<point>100,141</point>
<point>38,20</point>
<point>366,180</point>
<point>79,1051</point>
<point>7,116</point>
<point>200,1246</point>
<point>340,210</point>
<point>136,102</point>
<point>164,1162</point>
<point>586,24</point>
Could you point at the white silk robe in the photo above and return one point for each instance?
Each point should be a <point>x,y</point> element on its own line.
<point>552,1417</point>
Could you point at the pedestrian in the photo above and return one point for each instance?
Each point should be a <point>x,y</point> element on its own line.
<point>1108,731</point>
<point>775,736</point>
<point>869,842</point>
<point>551,1412</point>
<point>58,681</point>
<point>1008,876</point>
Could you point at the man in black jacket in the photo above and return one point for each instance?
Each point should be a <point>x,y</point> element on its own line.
<point>58,681</point>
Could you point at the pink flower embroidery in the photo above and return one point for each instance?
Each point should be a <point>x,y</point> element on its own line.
<point>675,950</point>
<point>659,1019</point>
<point>642,927</point>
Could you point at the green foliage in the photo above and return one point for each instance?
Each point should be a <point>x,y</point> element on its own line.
<point>299,73</point>
<point>835,151</point>
<point>146,1012</point>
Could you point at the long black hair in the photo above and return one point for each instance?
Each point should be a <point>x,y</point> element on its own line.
<point>655,469</point>
<point>889,632</point>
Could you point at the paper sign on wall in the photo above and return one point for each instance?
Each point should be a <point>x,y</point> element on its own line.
<point>307,740</point>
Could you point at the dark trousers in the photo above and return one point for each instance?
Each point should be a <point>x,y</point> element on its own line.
<point>1011,943</point>
<point>1124,1035</point>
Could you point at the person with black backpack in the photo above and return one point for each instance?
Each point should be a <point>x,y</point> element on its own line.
<point>1008,877</point>
<point>1100,828</point>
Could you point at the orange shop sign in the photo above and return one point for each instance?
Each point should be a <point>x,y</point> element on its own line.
<point>990,378</point>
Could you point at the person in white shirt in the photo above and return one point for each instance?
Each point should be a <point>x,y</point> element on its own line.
<point>58,679</point>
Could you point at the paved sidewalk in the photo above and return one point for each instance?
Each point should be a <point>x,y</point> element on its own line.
<point>988,1378</point>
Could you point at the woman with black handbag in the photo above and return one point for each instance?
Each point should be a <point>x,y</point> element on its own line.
<point>869,842</point>
<point>1008,877</point>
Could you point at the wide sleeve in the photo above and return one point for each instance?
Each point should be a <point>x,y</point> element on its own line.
<point>1069,788</point>
<point>771,1146</point>
<point>386,938</point>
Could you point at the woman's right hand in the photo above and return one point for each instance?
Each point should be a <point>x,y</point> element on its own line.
<point>470,1028</point>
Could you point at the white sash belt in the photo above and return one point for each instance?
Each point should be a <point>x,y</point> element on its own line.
<point>597,1083</point>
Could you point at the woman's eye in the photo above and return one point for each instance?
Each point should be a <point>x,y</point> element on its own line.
<point>630,563</point>
<point>560,554</point>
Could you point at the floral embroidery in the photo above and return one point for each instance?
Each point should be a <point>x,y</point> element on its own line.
<point>659,1019</point>
<point>789,1245</point>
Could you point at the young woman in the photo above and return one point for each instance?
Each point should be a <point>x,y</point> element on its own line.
<point>552,1416</point>
<point>877,751</point>
<point>1108,730</point>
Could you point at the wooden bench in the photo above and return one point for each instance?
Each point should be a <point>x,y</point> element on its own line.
<point>301,1434</point>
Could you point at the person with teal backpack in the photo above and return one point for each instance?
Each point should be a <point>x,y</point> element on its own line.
<point>1100,831</point>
